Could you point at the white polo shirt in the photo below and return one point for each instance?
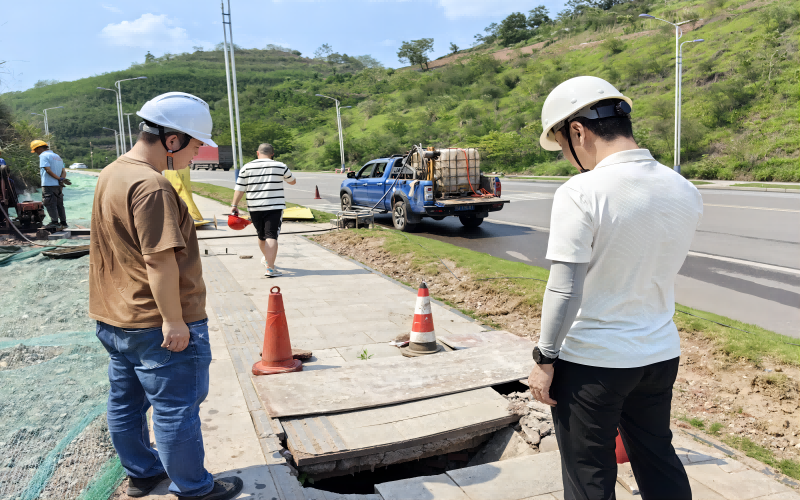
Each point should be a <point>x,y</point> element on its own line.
<point>633,220</point>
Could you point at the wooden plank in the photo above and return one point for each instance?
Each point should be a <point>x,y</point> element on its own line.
<point>459,341</point>
<point>386,381</point>
<point>367,432</point>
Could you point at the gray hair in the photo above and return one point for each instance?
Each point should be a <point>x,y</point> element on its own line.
<point>266,149</point>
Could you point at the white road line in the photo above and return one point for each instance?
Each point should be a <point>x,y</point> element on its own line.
<point>517,255</point>
<point>747,263</point>
<point>753,208</point>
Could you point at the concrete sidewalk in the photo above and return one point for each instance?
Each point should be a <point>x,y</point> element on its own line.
<point>343,312</point>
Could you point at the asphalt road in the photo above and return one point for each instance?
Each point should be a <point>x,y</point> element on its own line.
<point>744,262</point>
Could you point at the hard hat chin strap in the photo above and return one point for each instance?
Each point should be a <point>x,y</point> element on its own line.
<point>572,148</point>
<point>162,134</point>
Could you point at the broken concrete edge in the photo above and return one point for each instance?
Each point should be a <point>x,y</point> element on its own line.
<point>739,456</point>
<point>409,288</point>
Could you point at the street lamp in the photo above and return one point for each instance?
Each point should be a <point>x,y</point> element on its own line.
<point>680,91</point>
<point>130,134</point>
<point>46,126</point>
<point>678,35</point>
<point>116,101</point>
<point>338,124</point>
<point>115,139</point>
<point>119,108</point>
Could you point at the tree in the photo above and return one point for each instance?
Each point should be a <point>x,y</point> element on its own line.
<point>538,17</point>
<point>369,62</point>
<point>513,29</point>
<point>148,58</point>
<point>197,48</point>
<point>416,52</point>
<point>323,51</point>
<point>453,48</point>
<point>491,34</point>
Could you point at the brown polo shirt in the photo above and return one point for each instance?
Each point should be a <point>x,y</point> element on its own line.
<point>137,212</point>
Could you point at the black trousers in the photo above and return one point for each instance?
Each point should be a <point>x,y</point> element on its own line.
<point>592,403</point>
<point>53,201</point>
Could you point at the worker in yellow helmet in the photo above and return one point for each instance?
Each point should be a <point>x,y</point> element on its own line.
<point>54,175</point>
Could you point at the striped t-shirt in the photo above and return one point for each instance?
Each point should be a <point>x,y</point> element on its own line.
<point>262,181</point>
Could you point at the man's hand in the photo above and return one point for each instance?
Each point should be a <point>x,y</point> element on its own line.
<point>235,211</point>
<point>539,381</point>
<point>176,336</point>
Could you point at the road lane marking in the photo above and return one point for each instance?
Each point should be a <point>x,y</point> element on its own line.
<point>517,255</point>
<point>753,208</point>
<point>760,281</point>
<point>747,263</point>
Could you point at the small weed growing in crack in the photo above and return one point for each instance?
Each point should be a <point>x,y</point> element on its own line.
<point>364,355</point>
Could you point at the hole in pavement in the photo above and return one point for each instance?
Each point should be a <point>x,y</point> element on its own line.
<point>510,387</point>
<point>364,482</point>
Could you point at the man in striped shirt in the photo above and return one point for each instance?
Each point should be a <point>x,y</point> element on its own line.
<point>262,180</point>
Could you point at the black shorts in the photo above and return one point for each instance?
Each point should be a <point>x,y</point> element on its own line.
<point>267,223</point>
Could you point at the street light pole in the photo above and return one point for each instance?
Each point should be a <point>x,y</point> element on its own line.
<point>118,84</point>
<point>46,124</point>
<point>676,141</point>
<point>339,125</point>
<point>680,104</point>
<point>116,100</point>
<point>116,144</point>
<point>130,134</point>
<point>232,77</point>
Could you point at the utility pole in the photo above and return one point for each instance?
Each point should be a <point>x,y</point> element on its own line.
<point>46,124</point>
<point>677,140</point>
<point>233,97</point>
<point>118,85</point>
<point>338,125</point>
<point>116,143</point>
<point>130,134</point>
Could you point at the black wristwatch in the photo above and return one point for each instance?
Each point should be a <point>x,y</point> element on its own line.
<point>540,358</point>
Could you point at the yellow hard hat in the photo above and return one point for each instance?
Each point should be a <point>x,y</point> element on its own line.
<point>37,144</point>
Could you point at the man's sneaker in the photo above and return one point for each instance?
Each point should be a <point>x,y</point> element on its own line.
<point>62,227</point>
<point>264,262</point>
<point>139,487</point>
<point>273,273</point>
<point>225,488</point>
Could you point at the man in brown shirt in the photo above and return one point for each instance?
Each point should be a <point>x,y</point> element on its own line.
<point>148,297</point>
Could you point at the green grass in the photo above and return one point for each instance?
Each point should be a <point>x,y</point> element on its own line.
<point>752,347</point>
<point>225,195</point>
<point>715,428</point>
<point>760,185</point>
<point>789,467</point>
<point>699,183</point>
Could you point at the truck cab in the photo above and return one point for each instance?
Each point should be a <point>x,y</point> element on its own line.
<point>387,185</point>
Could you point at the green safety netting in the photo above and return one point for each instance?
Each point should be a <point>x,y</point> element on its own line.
<point>54,441</point>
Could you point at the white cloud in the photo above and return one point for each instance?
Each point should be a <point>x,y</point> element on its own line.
<point>454,9</point>
<point>151,32</point>
<point>111,8</point>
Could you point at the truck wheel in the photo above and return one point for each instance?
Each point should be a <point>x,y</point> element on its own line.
<point>213,169</point>
<point>470,220</point>
<point>226,169</point>
<point>400,217</point>
<point>347,202</point>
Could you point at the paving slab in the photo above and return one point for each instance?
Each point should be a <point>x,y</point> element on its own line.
<point>513,479</point>
<point>439,487</point>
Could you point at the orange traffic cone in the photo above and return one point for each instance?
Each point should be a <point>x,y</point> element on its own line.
<point>276,355</point>
<point>316,194</point>
<point>423,337</point>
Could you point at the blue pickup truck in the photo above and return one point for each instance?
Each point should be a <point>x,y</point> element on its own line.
<point>413,190</point>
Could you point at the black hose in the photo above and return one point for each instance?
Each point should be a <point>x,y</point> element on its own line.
<point>16,229</point>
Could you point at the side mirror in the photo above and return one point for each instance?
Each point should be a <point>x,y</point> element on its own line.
<point>351,175</point>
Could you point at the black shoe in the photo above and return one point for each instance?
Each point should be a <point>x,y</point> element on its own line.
<point>225,488</point>
<point>141,486</point>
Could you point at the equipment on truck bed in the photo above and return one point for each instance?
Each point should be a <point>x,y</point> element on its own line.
<point>30,214</point>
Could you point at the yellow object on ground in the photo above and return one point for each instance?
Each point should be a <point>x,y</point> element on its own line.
<point>183,185</point>
<point>199,223</point>
<point>298,213</point>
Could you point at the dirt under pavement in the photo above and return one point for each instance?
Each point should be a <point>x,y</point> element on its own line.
<point>759,403</point>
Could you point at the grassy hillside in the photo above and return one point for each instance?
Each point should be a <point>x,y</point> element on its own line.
<point>740,89</point>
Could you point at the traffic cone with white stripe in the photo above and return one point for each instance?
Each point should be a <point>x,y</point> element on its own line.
<point>423,337</point>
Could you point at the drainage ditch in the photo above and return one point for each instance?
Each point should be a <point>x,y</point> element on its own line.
<point>532,434</point>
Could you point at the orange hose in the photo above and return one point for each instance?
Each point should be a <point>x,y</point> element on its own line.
<point>486,194</point>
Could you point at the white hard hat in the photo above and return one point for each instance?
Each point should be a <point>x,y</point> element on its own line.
<point>572,99</point>
<point>181,112</point>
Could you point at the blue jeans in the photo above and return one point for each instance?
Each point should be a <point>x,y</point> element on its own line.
<point>142,373</point>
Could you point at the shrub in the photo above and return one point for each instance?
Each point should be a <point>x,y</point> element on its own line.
<point>614,45</point>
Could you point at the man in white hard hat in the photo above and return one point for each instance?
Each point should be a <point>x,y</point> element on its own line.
<point>608,353</point>
<point>146,292</point>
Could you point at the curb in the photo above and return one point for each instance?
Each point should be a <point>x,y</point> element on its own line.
<point>410,289</point>
<point>733,188</point>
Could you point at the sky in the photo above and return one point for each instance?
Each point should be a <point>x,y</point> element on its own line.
<point>69,40</point>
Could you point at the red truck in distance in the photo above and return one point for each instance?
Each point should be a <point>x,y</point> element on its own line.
<point>212,158</point>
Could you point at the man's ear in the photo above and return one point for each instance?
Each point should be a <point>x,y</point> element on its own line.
<point>580,132</point>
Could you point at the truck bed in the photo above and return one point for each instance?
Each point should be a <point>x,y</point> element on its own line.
<point>468,200</point>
